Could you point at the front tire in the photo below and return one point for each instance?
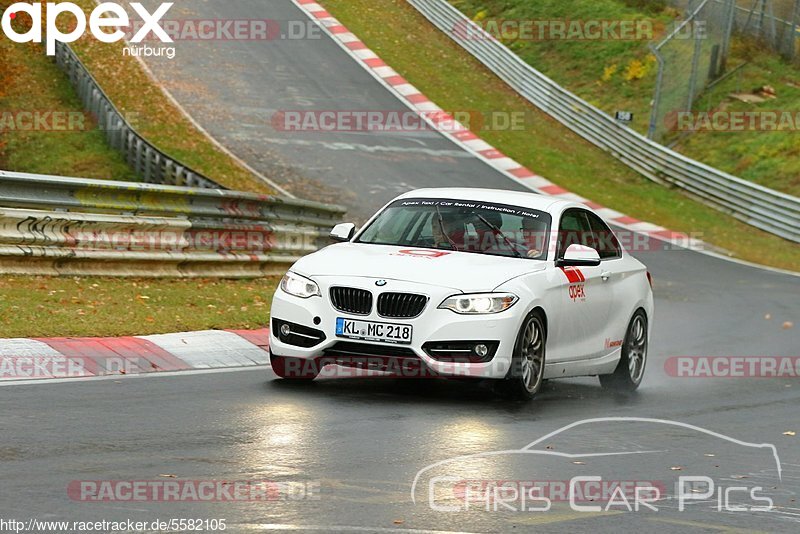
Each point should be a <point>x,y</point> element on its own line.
<point>629,373</point>
<point>296,369</point>
<point>526,376</point>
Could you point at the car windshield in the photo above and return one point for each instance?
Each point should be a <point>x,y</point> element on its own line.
<point>465,226</point>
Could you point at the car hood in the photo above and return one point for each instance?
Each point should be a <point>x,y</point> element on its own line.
<point>461,271</point>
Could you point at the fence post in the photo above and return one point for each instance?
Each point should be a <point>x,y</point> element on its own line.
<point>651,131</point>
<point>730,16</point>
<point>795,36</point>
<point>698,49</point>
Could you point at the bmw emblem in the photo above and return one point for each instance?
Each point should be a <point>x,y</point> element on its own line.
<point>380,283</point>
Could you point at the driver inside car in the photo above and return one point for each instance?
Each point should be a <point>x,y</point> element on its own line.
<point>534,236</point>
<point>449,231</point>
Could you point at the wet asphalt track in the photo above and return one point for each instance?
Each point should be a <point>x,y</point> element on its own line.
<point>364,441</point>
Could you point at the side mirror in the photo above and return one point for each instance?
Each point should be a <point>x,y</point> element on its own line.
<point>579,256</point>
<point>344,232</point>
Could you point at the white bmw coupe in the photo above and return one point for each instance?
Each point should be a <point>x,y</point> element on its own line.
<point>513,287</point>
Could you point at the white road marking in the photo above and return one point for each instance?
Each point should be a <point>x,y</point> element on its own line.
<point>370,148</point>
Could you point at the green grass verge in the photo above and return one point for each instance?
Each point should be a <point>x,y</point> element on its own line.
<point>455,81</point>
<point>31,82</point>
<point>610,74</point>
<point>92,307</point>
<point>134,93</point>
<point>621,75</point>
<point>768,158</point>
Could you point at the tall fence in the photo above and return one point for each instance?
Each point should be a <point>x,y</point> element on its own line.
<point>758,206</point>
<point>54,225</point>
<point>689,58</point>
<point>696,52</point>
<point>774,22</point>
<point>148,162</point>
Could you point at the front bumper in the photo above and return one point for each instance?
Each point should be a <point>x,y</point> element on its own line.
<point>433,325</point>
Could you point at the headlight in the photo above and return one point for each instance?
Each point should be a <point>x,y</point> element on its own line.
<point>479,304</point>
<point>299,286</point>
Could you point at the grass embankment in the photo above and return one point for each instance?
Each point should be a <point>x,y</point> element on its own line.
<point>156,118</point>
<point>44,306</point>
<point>36,84</point>
<point>457,82</point>
<point>768,158</point>
<point>92,307</point>
<point>31,82</point>
<point>621,75</point>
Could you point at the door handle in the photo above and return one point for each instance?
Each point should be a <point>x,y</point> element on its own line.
<point>605,275</point>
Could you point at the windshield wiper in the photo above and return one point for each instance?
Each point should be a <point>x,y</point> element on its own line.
<point>444,233</point>
<point>499,232</point>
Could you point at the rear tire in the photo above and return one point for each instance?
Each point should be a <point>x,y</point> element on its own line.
<point>628,375</point>
<point>526,376</point>
<point>296,369</point>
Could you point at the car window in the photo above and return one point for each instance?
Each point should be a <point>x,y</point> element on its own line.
<point>466,226</point>
<point>575,230</point>
<point>581,227</point>
<point>399,228</point>
<point>607,244</point>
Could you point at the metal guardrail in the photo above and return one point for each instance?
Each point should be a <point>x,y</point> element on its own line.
<point>55,225</point>
<point>764,208</point>
<point>147,161</point>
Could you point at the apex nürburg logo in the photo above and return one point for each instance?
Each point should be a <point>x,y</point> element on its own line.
<point>106,15</point>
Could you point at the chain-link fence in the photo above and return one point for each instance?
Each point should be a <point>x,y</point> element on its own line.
<point>775,22</point>
<point>692,55</point>
<point>696,52</point>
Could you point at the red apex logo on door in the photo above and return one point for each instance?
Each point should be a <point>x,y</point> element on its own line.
<point>577,287</point>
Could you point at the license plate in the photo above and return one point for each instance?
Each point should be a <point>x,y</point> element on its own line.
<point>371,331</point>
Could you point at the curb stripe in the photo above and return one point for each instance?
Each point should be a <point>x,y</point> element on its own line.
<point>259,338</point>
<point>60,358</point>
